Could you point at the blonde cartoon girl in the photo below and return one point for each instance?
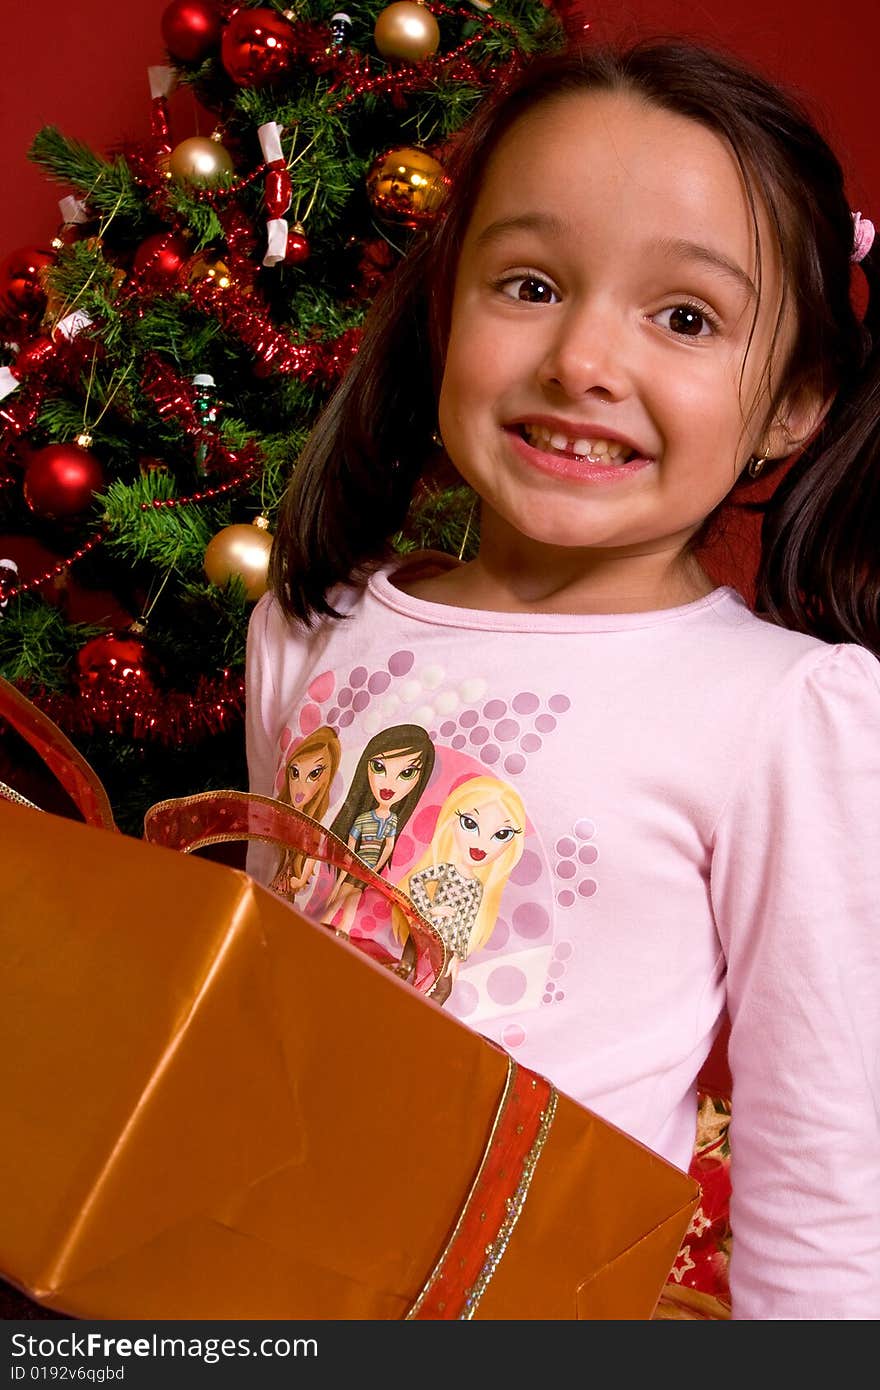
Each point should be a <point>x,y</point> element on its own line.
<point>308,775</point>
<point>457,884</point>
<point>391,775</point>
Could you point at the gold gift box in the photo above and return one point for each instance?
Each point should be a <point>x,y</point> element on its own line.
<point>213,1108</point>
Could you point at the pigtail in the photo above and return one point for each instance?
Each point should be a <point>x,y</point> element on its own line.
<point>820,566</point>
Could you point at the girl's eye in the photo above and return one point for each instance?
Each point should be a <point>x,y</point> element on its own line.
<point>293,773</point>
<point>468,823</point>
<point>315,773</point>
<point>377,765</point>
<point>409,773</point>
<point>506,833</point>
<point>687,320</point>
<point>530,289</point>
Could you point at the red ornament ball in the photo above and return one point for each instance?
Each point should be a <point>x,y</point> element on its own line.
<point>298,249</point>
<point>114,660</point>
<point>159,260</point>
<point>257,47</point>
<point>190,29</point>
<point>21,291</point>
<point>60,481</point>
<point>34,356</point>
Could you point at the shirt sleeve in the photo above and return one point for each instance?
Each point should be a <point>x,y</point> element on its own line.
<point>795,885</point>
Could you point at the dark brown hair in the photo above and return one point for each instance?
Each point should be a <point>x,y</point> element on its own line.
<point>354,482</point>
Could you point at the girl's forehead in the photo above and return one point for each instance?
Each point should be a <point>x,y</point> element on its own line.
<point>302,755</point>
<point>578,155</point>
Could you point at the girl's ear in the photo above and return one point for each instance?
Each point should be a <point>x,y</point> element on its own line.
<point>796,421</point>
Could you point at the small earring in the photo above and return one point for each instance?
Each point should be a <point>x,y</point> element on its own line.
<point>437,439</point>
<point>756,464</point>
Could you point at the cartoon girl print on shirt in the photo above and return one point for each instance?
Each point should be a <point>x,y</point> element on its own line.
<point>391,775</point>
<point>308,774</point>
<point>457,884</point>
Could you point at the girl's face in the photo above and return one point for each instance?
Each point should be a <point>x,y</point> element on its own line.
<point>392,776</point>
<point>482,833</point>
<point>307,776</point>
<point>604,301</point>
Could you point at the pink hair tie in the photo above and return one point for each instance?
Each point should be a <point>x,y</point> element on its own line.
<point>863,236</point>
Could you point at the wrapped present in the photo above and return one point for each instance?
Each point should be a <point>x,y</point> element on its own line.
<point>215,1108</point>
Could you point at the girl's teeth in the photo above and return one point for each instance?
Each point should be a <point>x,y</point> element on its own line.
<point>599,449</point>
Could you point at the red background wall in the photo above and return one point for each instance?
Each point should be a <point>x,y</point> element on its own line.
<point>83,67</point>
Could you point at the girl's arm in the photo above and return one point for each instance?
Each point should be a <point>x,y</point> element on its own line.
<point>352,843</point>
<point>796,892</point>
<point>418,892</point>
<point>387,850</point>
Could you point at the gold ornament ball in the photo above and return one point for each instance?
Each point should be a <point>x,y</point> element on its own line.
<point>406,30</point>
<point>243,550</point>
<point>199,160</point>
<point>407,185</point>
<point>209,265</point>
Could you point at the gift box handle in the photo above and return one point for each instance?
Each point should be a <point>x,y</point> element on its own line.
<point>188,823</point>
<point>58,753</point>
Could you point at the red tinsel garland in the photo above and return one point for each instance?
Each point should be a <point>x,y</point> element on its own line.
<point>40,363</point>
<point>170,717</point>
<point>312,362</point>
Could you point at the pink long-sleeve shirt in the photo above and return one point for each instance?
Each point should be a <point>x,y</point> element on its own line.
<point>699,798</point>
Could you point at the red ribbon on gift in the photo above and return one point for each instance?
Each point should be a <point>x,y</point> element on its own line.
<point>496,1198</point>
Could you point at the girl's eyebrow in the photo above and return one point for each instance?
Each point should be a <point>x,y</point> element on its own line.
<point>682,249</point>
<point>415,760</point>
<point>523,222</point>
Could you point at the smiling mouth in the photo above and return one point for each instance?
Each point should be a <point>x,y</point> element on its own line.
<point>601,451</point>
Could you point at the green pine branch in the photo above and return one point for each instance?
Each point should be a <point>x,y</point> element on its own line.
<point>107,186</point>
<point>171,538</point>
<point>36,644</point>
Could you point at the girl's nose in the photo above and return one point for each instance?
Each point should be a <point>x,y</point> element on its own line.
<point>587,354</point>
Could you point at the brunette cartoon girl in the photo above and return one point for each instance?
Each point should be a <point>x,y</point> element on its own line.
<point>457,884</point>
<point>308,774</point>
<point>391,775</point>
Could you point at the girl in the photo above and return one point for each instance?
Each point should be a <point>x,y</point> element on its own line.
<point>637,299</point>
<point>457,884</point>
<point>308,774</point>
<point>389,779</point>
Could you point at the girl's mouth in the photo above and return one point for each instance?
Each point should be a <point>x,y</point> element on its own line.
<point>596,451</point>
<point>386,794</point>
<point>299,798</point>
<point>477,854</point>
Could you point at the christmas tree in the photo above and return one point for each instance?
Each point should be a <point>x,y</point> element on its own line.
<point>164,359</point>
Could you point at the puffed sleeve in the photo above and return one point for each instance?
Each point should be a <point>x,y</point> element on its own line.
<point>795,884</point>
